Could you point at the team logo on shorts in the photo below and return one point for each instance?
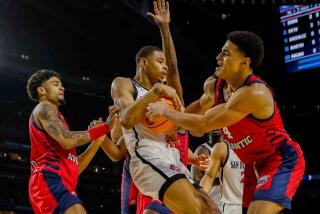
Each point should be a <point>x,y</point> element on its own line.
<point>174,168</point>
<point>263,180</point>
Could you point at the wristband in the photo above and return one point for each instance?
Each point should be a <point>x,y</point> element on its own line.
<point>98,131</point>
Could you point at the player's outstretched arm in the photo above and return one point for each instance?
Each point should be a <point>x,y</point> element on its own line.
<point>161,17</point>
<point>115,151</point>
<point>47,114</point>
<point>85,158</point>
<point>247,100</point>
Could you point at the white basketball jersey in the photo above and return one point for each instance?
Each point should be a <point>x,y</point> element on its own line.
<point>139,131</point>
<point>231,179</point>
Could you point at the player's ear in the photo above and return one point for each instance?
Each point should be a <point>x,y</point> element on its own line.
<point>143,62</point>
<point>246,62</point>
<point>41,90</point>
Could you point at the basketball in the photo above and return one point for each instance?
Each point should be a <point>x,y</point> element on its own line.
<point>161,124</point>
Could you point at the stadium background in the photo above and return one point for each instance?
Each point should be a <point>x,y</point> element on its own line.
<point>93,41</point>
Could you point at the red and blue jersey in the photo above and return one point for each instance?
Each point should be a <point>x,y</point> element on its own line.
<point>251,138</point>
<point>274,162</point>
<point>48,155</point>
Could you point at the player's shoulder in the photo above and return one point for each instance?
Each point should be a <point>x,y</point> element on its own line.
<point>44,111</point>
<point>122,84</point>
<point>220,149</point>
<point>255,92</point>
<point>121,80</point>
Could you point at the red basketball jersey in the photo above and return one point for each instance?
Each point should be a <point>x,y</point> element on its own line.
<point>183,146</point>
<point>253,139</point>
<point>48,155</point>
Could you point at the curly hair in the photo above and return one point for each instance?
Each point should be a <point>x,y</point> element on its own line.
<point>36,79</point>
<point>146,51</point>
<point>250,44</point>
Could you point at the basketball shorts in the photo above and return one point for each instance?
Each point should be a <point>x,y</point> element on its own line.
<point>231,209</point>
<point>278,177</point>
<point>155,168</point>
<point>159,207</point>
<point>48,194</point>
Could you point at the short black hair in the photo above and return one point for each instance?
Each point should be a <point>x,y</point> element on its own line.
<point>36,79</point>
<point>250,44</point>
<point>146,51</point>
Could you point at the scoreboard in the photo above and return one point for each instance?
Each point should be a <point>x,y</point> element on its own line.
<point>301,36</point>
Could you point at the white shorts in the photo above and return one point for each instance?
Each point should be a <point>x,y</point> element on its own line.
<point>231,209</point>
<point>154,168</point>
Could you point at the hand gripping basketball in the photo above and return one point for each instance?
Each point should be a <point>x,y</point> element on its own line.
<point>161,124</point>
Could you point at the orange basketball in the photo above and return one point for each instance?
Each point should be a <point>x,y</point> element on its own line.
<point>161,124</point>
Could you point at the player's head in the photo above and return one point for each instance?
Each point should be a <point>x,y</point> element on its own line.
<point>215,136</point>
<point>243,51</point>
<point>46,85</point>
<point>151,62</point>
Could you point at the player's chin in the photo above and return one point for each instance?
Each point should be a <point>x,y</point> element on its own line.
<point>61,101</point>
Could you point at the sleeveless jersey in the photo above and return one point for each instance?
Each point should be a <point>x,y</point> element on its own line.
<point>48,155</point>
<point>231,179</point>
<point>253,139</point>
<point>146,136</point>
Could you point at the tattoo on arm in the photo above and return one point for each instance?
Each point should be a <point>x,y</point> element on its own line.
<point>51,122</point>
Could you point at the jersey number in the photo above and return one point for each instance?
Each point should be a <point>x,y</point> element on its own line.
<point>227,133</point>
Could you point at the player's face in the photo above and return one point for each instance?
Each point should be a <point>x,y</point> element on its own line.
<point>54,90</point>
<point>229,61</point>
<point>156,67</point>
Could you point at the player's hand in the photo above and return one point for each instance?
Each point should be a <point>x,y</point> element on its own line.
<point>96,123</point>
<point>113,116</point>
<point>172,139</point>
<point>202,162</point>
<point>161,12</point>
<point>155,110</point>
<point>163,90</point>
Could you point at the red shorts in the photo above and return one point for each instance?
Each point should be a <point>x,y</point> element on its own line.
<point>142,202</point>
<point>48,194</point>
<point>278,177</point>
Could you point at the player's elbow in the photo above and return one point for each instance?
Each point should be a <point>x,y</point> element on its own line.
<point>65,144</point>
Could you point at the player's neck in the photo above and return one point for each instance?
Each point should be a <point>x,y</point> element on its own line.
<point>239,80</point>
<point>143,81</point>
<point>45,101</point>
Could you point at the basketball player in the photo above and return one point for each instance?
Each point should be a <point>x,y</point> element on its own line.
<point>230,169</point>
<point>228,188</point>
<point>155,167</point>
<point>54,163</point>
<point>133,201</point>
<point>197,174</point>
<point>251,123</point>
